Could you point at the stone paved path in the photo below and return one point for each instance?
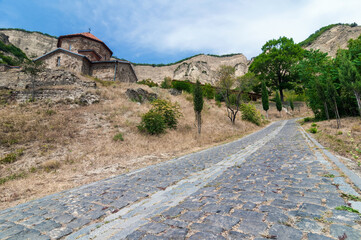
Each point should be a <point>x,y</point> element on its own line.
<point>273,184</point>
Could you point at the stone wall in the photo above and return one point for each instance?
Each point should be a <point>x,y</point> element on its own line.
<point>105,71</point>
<point>67,61</point>
<point>82,43</point>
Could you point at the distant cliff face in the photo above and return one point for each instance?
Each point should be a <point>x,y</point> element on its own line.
<point>335,38</point>
<point>202,67</point>
<point>33,44</point>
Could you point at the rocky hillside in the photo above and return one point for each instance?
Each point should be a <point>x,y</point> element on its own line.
<point>34,44</point>
<point>334,38</point>
<point>202,67</point>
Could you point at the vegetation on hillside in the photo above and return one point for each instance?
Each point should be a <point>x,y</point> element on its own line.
<point>23,30</point>
<point>19,56</point>
<point>308,41</point>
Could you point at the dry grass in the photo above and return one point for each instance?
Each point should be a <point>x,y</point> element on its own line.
<point>345,141</point>
<point>65,146</point>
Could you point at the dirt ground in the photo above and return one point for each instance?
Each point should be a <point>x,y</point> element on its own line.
<point>60,146</point>
<point>345,141</point>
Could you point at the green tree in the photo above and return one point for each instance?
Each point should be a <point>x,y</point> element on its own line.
<point>275,64</point>
<point>198,104</point>
<point>350,77</point>
<point>226,80</point>
<point>32,69</point>
<point>208,91</point>
<point>265,101</point>
<point>278,103</point>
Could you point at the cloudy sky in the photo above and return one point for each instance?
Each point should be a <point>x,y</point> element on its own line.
<point>164,31</point>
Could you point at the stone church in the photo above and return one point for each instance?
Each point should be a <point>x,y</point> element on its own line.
<point>84,53</point>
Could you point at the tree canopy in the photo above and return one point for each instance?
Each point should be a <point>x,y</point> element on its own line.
<point>275,64</point>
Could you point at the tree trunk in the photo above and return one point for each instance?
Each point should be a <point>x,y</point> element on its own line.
<point>337,115</point>
<point>326,111</point>
<point>267,114</point>
<point>281,94</point>
<point>357,95</point>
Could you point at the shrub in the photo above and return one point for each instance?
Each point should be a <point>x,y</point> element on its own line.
<point>313,125</point>
<point>182,86</point>
<point>307,119</point>
<point>250,113</point>
<point>168,110</point>
<point>219,96</point>
<point>312,130</point>
<point>167,83</point>
<point>118,137</point>
<point>148,82</point>
<point>208,91</point>
<point>12,157</point>
<point>152,122</point>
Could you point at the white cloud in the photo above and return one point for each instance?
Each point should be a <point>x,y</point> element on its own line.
<point>209,26</point>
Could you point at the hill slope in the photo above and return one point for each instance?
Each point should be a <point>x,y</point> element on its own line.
<point>334,38</point>
<point>33,44</point>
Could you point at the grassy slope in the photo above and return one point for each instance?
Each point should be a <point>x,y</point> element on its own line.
<point>19,56</point>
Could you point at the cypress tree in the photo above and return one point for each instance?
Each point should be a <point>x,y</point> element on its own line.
<point>265,102</point>
<point>198,104</point>
<point>278,103</point>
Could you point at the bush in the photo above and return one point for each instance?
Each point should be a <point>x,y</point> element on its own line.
<point>208,91</point>
<point>152,122</point>
<point>313,125</point>
<point>168,110</point>
<point>118,137</point>
<point>148,82</point>
<point>219,97</point>
<point>312,130</point>
<point>12,157</point>
<point>167,83</point>
<point>250,114</point>
<point>307,119</point>
<point>182,86</point>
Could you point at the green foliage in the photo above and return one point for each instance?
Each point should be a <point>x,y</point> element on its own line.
<point>12,157</point>
<point>167,83</point>
<point>329,175</point>
<point>12,177</point>
<point>275,64</point>
<point>208,91</point>
<point>348,209</point>
<point>118,137</point>
<point>351,197</point>
<point>265,101</point>
<point>148,82</point>
<point>313,125</point>
<point>312,130</point>
<point>291,104</point>
<point>251,114</point>
<point>198,97</point>
<point>219,97</point>
<point>20,56</point>
<point>153,123</point>
<point>307,119</point>
<point>182,86</point>
<point>278,102</point>
<point>169,111</point>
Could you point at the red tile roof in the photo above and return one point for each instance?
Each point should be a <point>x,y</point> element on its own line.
<point>84,34</point>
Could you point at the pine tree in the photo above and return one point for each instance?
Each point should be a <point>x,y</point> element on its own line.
<point>291,105</point>
<point>265,102</point>
<point>278,103</point>
<point>198,104</point>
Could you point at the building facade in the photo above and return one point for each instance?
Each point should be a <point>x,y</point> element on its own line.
<point>86,54</point>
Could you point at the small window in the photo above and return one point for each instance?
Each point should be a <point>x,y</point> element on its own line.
<point>58,62</point>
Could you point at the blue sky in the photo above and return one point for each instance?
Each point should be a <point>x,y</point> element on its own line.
<point>160,31</point>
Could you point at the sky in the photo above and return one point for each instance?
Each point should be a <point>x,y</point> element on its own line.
<point>165,31</point>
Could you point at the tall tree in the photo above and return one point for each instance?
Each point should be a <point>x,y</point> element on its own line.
<point>265,101</point>
<point>198,104</point>
<point>349,76</point>
<point>274,64</point>
<point>278,104</point>
<point>226,80</point>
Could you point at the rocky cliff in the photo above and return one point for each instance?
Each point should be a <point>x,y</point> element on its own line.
<point>335,38</point>
<point>34,44</point>
<point>202,67</point>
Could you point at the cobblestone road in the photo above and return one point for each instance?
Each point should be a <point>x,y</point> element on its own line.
<point>273,184</point>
